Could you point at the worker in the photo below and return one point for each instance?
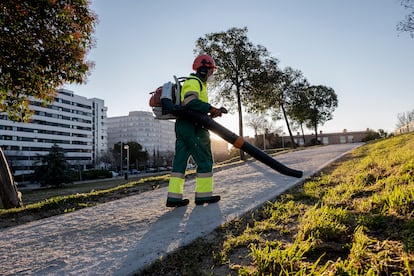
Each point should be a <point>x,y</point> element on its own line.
<point>193,139</point>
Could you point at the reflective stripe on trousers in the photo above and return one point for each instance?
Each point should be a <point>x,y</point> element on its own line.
<point>176,186</point>
<point>204,185</point>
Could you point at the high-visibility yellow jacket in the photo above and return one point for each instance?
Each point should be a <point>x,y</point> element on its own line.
<point>193,97</point>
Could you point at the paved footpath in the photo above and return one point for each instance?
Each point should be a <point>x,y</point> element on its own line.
<point>123,236</point>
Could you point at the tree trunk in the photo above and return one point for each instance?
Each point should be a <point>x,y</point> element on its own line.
<point>256,138</point>
<point>303,134</point>
<point>239,107</point>
<point>10,196</point>
<point>288,127</point>
<point>316,134</point>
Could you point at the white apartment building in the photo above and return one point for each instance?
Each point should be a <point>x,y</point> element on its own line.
<point>141,127</point>
<point>74,123</point>
<point>99,131</point>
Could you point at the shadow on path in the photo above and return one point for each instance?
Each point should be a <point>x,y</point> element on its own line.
<point>174,229</point>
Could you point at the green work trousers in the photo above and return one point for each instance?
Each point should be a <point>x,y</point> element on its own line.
<point>191,140</point>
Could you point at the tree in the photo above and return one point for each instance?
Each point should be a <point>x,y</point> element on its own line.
<point>264,123</point>
<point>238,62</point>
<point>269,131</point>
<point>291,82</point>
<point>106,159</point>
<point>10,196</point>
<point>53,169</point>
<point>299,110</point>
<point>322,103</point>
<point>256,122</point>
<point>43,44</point>
<point>278,91</point>
<point>407,25</point>
<point>136,153</point>
<point>405,118</point>
<point>371,135</point>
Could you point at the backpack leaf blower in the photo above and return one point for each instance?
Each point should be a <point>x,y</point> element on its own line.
<point>236,141</point>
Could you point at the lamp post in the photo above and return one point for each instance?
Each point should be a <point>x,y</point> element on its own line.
<point>127,158</point>
<point>120,168</point>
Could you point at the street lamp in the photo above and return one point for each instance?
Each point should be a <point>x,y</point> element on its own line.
<point>120,168</point>
<point>127,149</point>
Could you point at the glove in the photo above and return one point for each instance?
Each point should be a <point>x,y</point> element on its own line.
<point>217,112</point>
<point>223,110</point>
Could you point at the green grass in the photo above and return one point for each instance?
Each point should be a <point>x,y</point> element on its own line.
<point>354,218</point>
<point>74,197</point>
<point>38,195</point>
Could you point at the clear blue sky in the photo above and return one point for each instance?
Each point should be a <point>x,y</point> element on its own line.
<point>352,46</point>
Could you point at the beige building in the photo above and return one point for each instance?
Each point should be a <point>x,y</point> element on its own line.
<point>343,137</point>
<point>405,129</point>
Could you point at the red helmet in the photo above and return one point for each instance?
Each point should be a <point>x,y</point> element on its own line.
<point>203,60</point>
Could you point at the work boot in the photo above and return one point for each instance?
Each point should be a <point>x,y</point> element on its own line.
<point>177,202</point>
<point>211,199</point>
